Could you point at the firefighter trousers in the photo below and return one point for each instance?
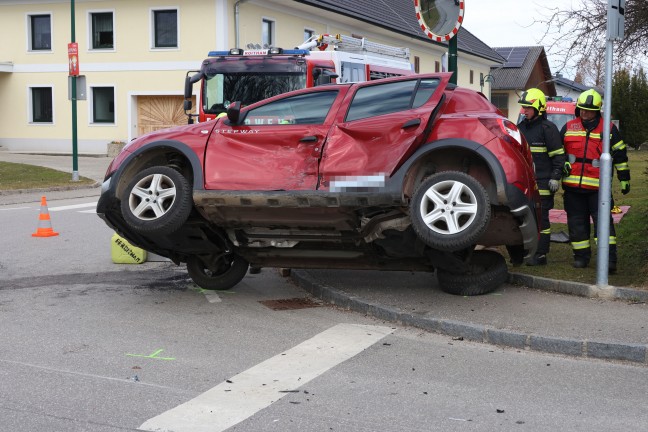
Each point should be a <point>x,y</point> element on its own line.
<point>580,205</point>
<point>546,204</point>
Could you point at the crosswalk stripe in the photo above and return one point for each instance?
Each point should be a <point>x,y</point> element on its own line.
<point>72,207</point>
<point>244,394</point>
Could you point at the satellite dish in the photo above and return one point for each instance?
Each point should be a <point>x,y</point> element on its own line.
<point>440,19</point>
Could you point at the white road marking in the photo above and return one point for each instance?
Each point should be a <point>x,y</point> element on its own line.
<point>88,211</point>
<point>230,403</point>
<point>72,207</point>
<point>213,298</point>
<point>15,208</point>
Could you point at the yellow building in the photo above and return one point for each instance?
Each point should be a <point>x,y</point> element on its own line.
<point>134,56</point>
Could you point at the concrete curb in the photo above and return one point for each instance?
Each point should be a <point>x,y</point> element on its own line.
<point>605,350</point>
<point>48,189</point>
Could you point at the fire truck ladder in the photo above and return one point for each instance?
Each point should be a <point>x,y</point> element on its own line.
<point>354,44</point>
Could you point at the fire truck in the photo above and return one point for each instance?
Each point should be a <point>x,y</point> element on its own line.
<point>559,110</point>
<point>251,75</point>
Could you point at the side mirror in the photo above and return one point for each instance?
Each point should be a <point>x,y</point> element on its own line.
<point>234,112</point>
<point>188,88</point>
<point>316,73</point>
<point>188,104</point>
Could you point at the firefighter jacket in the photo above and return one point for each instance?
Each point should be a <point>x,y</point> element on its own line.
<point>547,150</point>
<point>584,146</point>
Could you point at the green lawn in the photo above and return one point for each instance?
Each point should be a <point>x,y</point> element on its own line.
<point>15,176</point>
<point>632,236</point>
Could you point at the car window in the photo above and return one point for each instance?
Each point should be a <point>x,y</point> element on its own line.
<point>310,108</point>
<point>425,91</point>
<point>390,97</point>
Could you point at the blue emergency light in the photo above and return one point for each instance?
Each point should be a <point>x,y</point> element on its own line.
<point>258,52</point>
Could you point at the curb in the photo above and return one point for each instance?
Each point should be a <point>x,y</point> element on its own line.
<point>604,350</point>
<point>49,189</point>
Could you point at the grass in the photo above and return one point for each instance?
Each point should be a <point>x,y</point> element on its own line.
<point>14,176</point>
<point>632,237</point>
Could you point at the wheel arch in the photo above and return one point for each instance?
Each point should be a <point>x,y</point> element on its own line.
<point>165,153</point>
<point>454,155</point>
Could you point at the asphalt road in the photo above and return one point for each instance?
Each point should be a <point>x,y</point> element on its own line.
<point>89,345</point>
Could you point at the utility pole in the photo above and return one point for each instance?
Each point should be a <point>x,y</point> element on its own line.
<point>615,27</point>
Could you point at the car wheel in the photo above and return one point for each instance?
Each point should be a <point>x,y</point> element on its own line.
<point>450,211</point>
<point>217,273</point>
<point>486,271</point>
<point>157,200</point>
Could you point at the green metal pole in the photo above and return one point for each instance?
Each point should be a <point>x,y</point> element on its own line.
<point>452,59</point>
<point>75,156</point>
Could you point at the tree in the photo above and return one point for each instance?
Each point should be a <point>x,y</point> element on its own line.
<point>629,96</point>
<point>580,32</point>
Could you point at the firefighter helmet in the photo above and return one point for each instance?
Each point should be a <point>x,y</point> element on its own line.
<point>534,98</point>
<point>590,100</point>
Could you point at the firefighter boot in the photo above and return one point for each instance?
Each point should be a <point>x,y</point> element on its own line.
<point>537,260</point>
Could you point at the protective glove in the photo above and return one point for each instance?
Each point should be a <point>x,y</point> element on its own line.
<point>566,169</point>
<point>625,187</point>
<point>554,185</point>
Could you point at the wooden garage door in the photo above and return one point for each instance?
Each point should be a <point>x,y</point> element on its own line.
<point>159,112</point>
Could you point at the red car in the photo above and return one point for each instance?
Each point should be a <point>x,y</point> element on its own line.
<point>407,173</point>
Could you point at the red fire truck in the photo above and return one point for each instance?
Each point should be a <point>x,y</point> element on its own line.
<point>559,110</point>
<point>251,75</point>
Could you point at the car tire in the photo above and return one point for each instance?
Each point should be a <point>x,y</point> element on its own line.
<point>450,211</point>
<point>487,270</point>
<point>157,201</point>
<point>220,274</point>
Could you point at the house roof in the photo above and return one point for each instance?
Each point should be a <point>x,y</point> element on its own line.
<point>399,16</point>
<point>560,80</point>
<point>514,75</point>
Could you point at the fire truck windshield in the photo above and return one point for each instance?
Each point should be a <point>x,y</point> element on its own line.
<point>249,80</point>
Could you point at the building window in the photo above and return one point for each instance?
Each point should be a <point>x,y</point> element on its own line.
<point>165,28</point>
<point>472,76</point>
<point>103,105</point>
<point>41,105</point>
<point>40,32</point>
<point>437,66</point>
<point>500,100</point>
<point>102,30</point>
<point>267,33</point>
<point>308,33</point>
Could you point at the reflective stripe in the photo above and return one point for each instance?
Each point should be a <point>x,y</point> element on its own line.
<point>623,166</point>
<point>547,231</point>
<point>544,192</point>
<point>595,135</point>
<point>575,133</point>
<point>538,149</point>
<point>556,152</point>
<point>585,244</point>
<point>577,181</point>
<point>612,240</point>
<point>619,146</point>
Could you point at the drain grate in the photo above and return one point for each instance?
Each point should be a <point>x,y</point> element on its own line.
<point>289,304</point>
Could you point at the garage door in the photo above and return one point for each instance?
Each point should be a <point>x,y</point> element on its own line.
<point>160,112</point>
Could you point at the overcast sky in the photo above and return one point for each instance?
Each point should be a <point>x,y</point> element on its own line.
<point>504,23</point>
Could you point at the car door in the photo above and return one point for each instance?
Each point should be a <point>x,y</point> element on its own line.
<point>276,146</point>
<point>383,125</point>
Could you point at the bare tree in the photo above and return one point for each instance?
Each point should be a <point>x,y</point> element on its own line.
<point>579,33</point>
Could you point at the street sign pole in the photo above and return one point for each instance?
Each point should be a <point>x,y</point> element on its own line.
<point>452,59</point>
<point>73,83</point>
<point>615,26</point>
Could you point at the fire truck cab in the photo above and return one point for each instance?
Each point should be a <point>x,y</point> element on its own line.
<point>251,75</point>
<point>559,110</point>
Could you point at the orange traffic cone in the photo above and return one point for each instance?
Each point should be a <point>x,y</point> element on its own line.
<point>44,224</point>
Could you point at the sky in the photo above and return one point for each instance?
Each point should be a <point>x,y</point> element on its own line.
<point>504,23</point>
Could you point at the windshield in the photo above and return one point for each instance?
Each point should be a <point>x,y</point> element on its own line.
<point>249,80</point>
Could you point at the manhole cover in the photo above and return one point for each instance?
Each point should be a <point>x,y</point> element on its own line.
<point>293,303</point>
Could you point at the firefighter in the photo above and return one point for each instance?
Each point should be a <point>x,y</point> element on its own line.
<point>582,138</point>
<point>548,157</point>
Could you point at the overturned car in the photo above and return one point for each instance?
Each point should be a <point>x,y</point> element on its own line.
<point>406,173</point>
